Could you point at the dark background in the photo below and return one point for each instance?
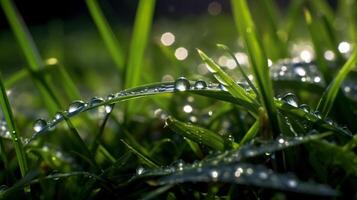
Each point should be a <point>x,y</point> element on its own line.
<point>38,12</point>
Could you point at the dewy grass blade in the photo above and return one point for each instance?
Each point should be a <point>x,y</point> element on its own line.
<point>106,33</point>
<point>328,98</point>
<point>139,40</point>
<point>7,112</point>
<point>225,48</point>
<point>199,134</point>
<point>232,87</point>
<point>258,60</point>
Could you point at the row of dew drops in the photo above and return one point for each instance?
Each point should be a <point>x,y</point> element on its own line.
<point>181,84</point>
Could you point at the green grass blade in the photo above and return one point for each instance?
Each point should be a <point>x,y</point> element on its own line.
<point>245,174</point>
<point>252,132</point>
<point>139,40</point>
<point>106,33</point>
<point>31,53</point>
<point>329,96</point>
<point>10,120</point>
<point>258,59</point>
<point>142,26</point>
<point>318,43</point>
<point>198,134</point>
<point>277,48</point>
<point>232,87</point>
<point>225,48</point>
<point>145,158</point>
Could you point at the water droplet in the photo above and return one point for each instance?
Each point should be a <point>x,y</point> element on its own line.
<point>110,97</point>
<point>76,106</point>
<point>305,107</point>
<point>182,84</point>
<point>290,99</point>
<point>292,183</point>
<point>95,101</point>
<point>109,108</point>
<point>317,114</point>
<point>58,116</point>
<point>39,125</point>
<point>221,87</point>
<point>214,174</point>
<point>200,85</point>
<point>140,170</point>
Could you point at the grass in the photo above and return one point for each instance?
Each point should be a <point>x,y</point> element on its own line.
<point>250,132</point>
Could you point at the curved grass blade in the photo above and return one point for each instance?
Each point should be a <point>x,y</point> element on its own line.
<point>246,174</point>
<point>234,156</point>
<point>107,34</point>
<point>251,150</point>
<point>199,135</point>
<point>225,48</point>
<point>258,60</point>
<point>140,35</point>
<point>252,132</point>
<point>232,87</point>
<point>10,120</point>
<point>211,91</point>
<point>328,98</point>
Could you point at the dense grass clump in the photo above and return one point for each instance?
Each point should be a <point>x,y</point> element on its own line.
<point>264,118</point>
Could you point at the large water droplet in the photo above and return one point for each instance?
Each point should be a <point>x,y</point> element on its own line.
<point>182,84</point>
<point>95,101</point>
<point>290,99</point>
<point>39,125</point>
<point>76,106</point>
<point>200,85</point>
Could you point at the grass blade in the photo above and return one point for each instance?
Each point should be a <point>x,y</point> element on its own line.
<point>328,98</point>
<point>246,174</point>
<point>252,132</point>
<point>232,87</point>
<point>258,60</point>
<point>31,53</point>
<point>106,33</point>
<point>145,158</point>
<point>225,48</point>
<point>318,43</point>
<point>10,120</point>
<point>139,40</point>
<point>199,134</point>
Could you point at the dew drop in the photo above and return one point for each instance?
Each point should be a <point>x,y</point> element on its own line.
<point>292,183</point>
<point>200,85</point>
<point>58,116</point>
<point>305,107</point>
<point>214,174</point>
<point>39,125</point>
<point>76,106</point>
<point>95,101</point>
<point>140,170</point>
<point>182,84</point>
<point>109,108</point>
<point>290,99</point>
